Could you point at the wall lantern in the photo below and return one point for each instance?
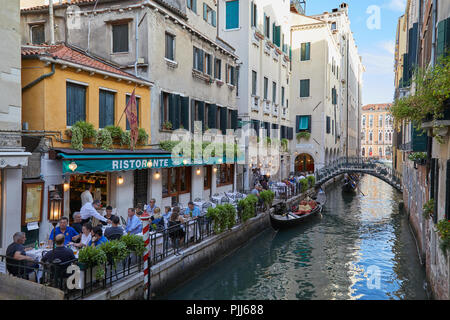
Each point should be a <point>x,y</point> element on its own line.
<point>215,169</point>
<point>120,180</point>
<point>55,205</point>
<point>66,185</point>
<point>157,175</point>
<point>198,171</point>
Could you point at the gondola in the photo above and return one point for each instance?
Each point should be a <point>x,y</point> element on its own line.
<point>283,218</point>
<point>350,183</point>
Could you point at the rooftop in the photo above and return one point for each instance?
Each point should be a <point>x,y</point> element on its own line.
<point>377,107</point>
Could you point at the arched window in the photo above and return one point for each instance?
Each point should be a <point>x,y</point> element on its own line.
<point>380,151</point>
<point>370,151</point>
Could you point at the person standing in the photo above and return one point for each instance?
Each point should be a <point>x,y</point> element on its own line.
<point>90,210</point>
<point>86,196</point>
<point>134,224</point>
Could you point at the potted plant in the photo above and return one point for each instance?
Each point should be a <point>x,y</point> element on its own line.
<point>167,125</point>
<point>142,136</point>
<point>135,245</point>
<point>443,229</point>
<point>91,260</point>
<point>303,135</point>
<point>81,132</point>
<point>428,208</point>
<point>267,196</point>
<point>116,133</point>
<point>311,181</point>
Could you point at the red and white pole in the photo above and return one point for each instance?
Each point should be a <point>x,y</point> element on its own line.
<point>146,233</point>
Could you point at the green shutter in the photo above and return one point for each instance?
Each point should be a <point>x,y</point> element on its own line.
<point>201,114</point>
<point>185,112</point>
<point>205,12</point>
<point>194,6</point>
<point>252,16</point>
<point>234,119</point>
<point>223,119</point>
<point>232,14</point>
<point>214,23</point>
<point>212,110</point>
<point>441,37</point>
<point>419,140</point>
<point>277,36</point>
<point>304,88</point>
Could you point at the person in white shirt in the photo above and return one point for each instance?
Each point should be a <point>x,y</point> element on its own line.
<point>86,196</point>
<point>85,236</point>
<point>90,210</point>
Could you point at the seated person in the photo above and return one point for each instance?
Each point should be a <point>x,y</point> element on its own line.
<point>108,215</point>
<point>134,224</point>
<point>97,237</point>
<point>85,236</point>
<point>77,225</point>
<point>166,215</point>
<point>156,216</point>
<point>192,211</point>
<point>115,231</point>
<point>60,254</point>
<point>18,258</point>
<point>64,229</point>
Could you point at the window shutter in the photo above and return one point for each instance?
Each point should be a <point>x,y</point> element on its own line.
<point>214,21</point>
<point>185,112</point>
<point>201,59</point>
<point>328,125</point>
<point>120,38</point>
<point>212,110</point>
<point>194,6</point>
<point>290,133</point>
<point>172,110</point>
<point>308,51</point>
<point>232,14</point>
<point>205,12</point>
<point>297,124</point>
<point>255,15</point>
<point>441,37</point>
<point>234,119</point>
<point>106,108</point>
<point>223,119</point>
<point>75,103</point>
<point>265,25</point>
<point>252,9</point>
<point>201,113</point>
<point>436,189</point>
<point>189,4</point>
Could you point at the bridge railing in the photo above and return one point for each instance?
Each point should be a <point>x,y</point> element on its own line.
<point>360,164</point>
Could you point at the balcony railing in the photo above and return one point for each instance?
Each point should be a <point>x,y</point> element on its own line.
<point>255,103</point>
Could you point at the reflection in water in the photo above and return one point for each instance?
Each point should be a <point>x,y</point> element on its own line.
<point>360,248</point>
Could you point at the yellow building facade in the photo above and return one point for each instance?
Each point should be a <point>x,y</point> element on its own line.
<point>377,131</point>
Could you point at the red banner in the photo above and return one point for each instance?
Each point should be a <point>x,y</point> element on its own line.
<point>131,112</point>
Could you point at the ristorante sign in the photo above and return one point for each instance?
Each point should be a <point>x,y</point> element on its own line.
<point>110,165</point>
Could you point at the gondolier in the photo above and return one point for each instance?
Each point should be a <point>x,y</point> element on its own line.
<point>90,210</point>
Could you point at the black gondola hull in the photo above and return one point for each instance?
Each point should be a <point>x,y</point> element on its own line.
<point>288,221</point>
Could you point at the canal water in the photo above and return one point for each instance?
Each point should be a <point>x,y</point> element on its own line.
<point>361,247</point>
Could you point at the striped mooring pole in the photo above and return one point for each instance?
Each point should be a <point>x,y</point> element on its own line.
<point>146,233</point>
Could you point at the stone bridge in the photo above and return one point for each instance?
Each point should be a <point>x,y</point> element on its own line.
<point>359,165</point>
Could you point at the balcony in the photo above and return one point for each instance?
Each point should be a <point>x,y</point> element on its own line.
<point>284,113</point>
<point>275,110</point>
<point>255,103</point>
<point>267,106</point>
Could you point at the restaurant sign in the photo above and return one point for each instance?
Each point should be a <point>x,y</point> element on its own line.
<point>118,164</point>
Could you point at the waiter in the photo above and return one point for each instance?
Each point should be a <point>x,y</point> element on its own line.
<point>90,210</point>
<point>86,196</point>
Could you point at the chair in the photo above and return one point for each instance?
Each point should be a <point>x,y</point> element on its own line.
<point>197,200</point>
<point>123,221</point>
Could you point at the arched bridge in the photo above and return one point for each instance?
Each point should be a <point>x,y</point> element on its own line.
<point>359,165</point>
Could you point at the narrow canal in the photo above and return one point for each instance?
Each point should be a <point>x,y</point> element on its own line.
<point>360,248</point>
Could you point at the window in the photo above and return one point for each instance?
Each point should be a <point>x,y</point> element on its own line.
<point>266,26</point>
<point>254,82</point>
<point>364,120</point>
<point>370,136</point>
<point>363,151</point>
<point>106,108</point>
<point>334,96</point>
<point>207,174</point>
<point>380,151</point>
<point>386,137</point>
<point>370,151</point>
<point>225,174</point>
<point>371,121</point>
<point>274,92</point>
<point>137,110</point>
<point>305,51</point>
<point>304,88</point>
<point>303,123</point>
<point>231,75</point>
<point>218,69</point>
<point>276,34</point>
<point>140,186</point>
<point>208,64</point>
<point>120,37</point>
<point>380,120</point>
<point>198,59</point>
<point>176,181</point>
<point>170,46</point>
<point>254,15</point>
<point>192,4</point>
<point>232,14</point>
<point>75,103</point>
<point>164,107</point>
<point>363,135</point>
<point>380,136</point>
<point>328,124</point>
<point>209,15</point>
<point>37,33</point>
<point>266,88</point>
<point>333,26</point>
<point>282,96</point>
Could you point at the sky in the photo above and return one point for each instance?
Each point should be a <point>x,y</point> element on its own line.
<point>374,25</point>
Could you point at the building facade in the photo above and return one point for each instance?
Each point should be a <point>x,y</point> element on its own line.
<point>175,45</point>
<point>376,131</point>
<point>259,30</point>
<point>427,27</point>
<point>13,157</point>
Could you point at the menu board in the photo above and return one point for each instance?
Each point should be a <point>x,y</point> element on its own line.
<point>33,193</point>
